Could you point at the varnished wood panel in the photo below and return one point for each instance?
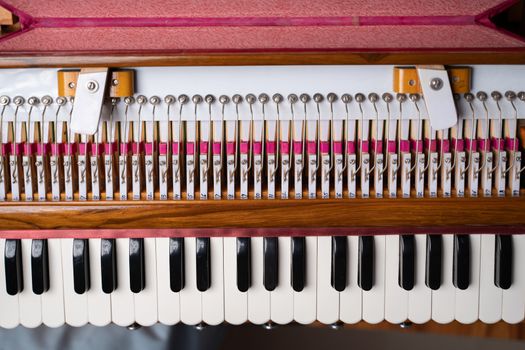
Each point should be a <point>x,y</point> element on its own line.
<point>52,59</point>
<point>474,213</point>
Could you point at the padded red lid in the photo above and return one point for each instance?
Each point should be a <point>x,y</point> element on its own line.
<point>73,26</point>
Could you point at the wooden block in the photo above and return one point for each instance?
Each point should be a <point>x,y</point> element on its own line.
<point>406,80</point>
<point>67,82</point>
<point>6,17</point>
<point>122,83</point>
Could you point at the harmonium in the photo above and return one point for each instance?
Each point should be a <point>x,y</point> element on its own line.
<point>265,162</point>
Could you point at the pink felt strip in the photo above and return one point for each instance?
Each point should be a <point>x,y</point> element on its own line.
<point>498,144</point>
<point>217,148</point>
<point>203,147</point>
<point>230,148</point>
<point>285,147</point>
<point>484,145</point>
<point>69,148</point>
<point>404,146</point>
<point>56,149</point>
<point>29,148</point>
<point>42,148</point>
<point>391,146</point>
<point>257,147</point>
<point>137,147</point>
<point>163,148</point>
<point>124,148</point>
<point>338,147</point>
<point>432,144</point>
<point>257,232</point>
<point>365,146</point>
<point>271,147</point>
<point>417,146</point>
<point>110,148</point>
<point>190,148</point>
<point>97,149</point>
<point>311,147</point>
<point>149,148</point>
<point>83,148</point>
<point>512,144</point>
<point>245,147</point>
<point>325,147</point>
<point>459,145</point>
<point>175,148</point>
<point>444,146</point>
<point>297,147</point>
<point>377,146</point>
<point>6,148</point>
<point>350,147</point>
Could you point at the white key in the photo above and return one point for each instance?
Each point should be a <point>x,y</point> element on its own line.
<point>327,296</point>
<point>75,305</point>
<point>490,296</point>
<point>351,299</point>
<point>305,302</point>
<point>99,303</point>
<point>444,299</point>
<point>258,296</point>
<point>30,303</point>
<point>513,309</point>
<point>190,297</point>
<point>396,298</point>
<point>9,317</point>
<point>467,300</point>
<point>168,301</point>
<point>213,298</point>
<point>146,300</point>
<point>281,298</point>
<point>374,299</point>
<point>122,301</point>
<point>53,299</point>
<point>235,301</point>
<point>420,297</point>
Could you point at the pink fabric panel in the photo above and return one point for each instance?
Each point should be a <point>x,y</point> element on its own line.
<point>261,38</point>
<point>248,8</point>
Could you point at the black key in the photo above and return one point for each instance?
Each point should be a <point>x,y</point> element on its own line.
<point>298,263</point>
<point>271,263</point>
<point>176,264</point>
<point>13,266</point>
<point>339,262</point>
<point>365,275</point>
<point>108,265</point>
<point>203,264</point>
<point>461,272</point>
<point>503,264</point>
<point>406,262</point>
<point>244,267</point>
<point>137,273</point>
<point>39,266</point>
<point>433,261</point>
<point>81,280</point>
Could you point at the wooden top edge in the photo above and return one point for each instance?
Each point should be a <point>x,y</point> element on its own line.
<point>27,60</point>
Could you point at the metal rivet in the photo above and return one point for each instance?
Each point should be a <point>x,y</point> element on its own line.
<point>250,98</point>
<point>169,99</point>
<point>209,99</point>
<point>114,82</point>
<point>141,100</point>
<point>223,99</point>
<point>331,97</point>
<point>277,98</point>
<point>373,97</point>
<point>482,96</point>
<point>154,100</point>
<point>32,101</point>
<point>413,97</point>
<point>521,95</point>
<point>292,98</point>
<point>71,85</point>
<point>387,97</point>
<point>61,101</point>
<point>469,97</point>
<point>360,98</point>
<point>92,86</point>
<point>264,98</point>
<point>304,98</point>
<point>346,98</point>
<point>411,82</point>
<point>129,100</point>
<point>496,95</point>
<point>318,98</point>
<point>401,98</point>
<point>18,100</point>
<point>436,84</point>
<point>183,99</point>
<point>4,100</point>
<point>456,97</point>
<point>196,99</point>
<point>510,95</point>
<point>47,100</point>
<point>237,99</point>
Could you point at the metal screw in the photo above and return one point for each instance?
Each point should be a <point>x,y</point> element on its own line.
<point>360,98</point>
<point>411,82</point>
<point>387,97</point>
<point>169,99</point>
<point>482,96</point>
<point>373,97</point>
<point>129,100</point>
<point>154,100</point>
<point>209,99</point>
<point>61,101</point>
<point>436,84</point>
<point>346,98</point>
<point>72,85</point>
<point>92,86</point>
<point>183,99</point>
<point>47,100</point>
<point>33,100</point>
<point>4,100</point>
<point>401,98</point>
<point>18,100</point>
<point>114,82</point>
<point>292,98</point>
<point>141,100</point>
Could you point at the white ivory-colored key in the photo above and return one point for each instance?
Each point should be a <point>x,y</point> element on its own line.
<point>350,300</point>
<point>99,303</point>
<point>146,300</point>
<point>327,297</point>
<point>259,310</point>
<point>53,299</point>
<point>513,306</point>
<point>444,298</point>
<point>490,296</point>
<point>420,297</point>
<point>168,302</point>
<point>374,299</point>
<point>122,301</point>
<point>190,298</point>
<point>30,303</point>
<point>304,302</point>
<point>213,298</point>
<point>75,305</point>
<point>467,301</point>
<point>235,301</point>
<point>396,298</point>
<point>10,315</point>
<point>281,298</point>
